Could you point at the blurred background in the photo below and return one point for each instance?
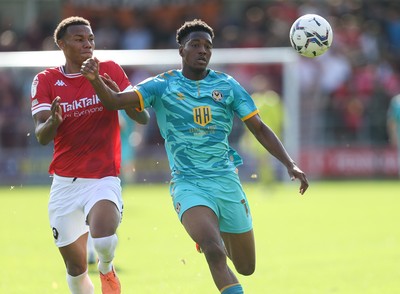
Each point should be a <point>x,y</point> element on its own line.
<point>344,94</point>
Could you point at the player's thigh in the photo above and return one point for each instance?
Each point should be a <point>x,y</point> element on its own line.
<point>74,256</point>
<point>104,207</point>
<point>241,250</point>
<point>196,210</point>
<point>201,223</point>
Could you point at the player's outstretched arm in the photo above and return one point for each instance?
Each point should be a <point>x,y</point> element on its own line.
<point>273,145</point>
<point>110,99</point>
<point>141,117</point>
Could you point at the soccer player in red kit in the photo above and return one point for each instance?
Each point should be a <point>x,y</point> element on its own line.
<point>86,192</point>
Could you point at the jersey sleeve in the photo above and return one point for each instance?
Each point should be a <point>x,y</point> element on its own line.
<point>394,109</point>
<point>117,74</point>
<point>243,104</point>
<point>40,94</point>
<point>150,89</point>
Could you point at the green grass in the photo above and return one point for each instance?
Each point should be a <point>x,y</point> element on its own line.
<point>341,237</point>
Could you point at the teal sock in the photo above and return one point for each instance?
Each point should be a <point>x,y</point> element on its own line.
<point>235,289</point>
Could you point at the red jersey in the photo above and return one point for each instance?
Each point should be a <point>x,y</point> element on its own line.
<point>87,143</point>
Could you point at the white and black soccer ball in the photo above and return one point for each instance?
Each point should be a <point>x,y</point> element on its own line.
<point>311,35</point>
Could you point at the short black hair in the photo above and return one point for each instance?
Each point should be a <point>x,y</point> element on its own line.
<point>64,24</point>
<point>196,25</point>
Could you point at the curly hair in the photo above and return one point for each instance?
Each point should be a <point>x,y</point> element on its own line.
<point>196,25</point>
<point>64,24</point>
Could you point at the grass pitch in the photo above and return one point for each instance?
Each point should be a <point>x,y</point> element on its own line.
<point>341,237</point>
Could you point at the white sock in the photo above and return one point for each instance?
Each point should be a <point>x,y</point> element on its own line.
<point>91,252</point>
<point>90,246</point>
<point>80,284</point>
<point>105,248</point>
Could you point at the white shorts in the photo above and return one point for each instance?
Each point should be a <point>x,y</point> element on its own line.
<point>71,200</point>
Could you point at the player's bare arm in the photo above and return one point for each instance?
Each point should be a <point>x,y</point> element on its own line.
<point>141,117</point>
<point>273,145</point>
<point>47,122</point>
<point>111,99</point>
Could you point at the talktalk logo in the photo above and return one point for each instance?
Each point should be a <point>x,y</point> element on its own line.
<point>80,103</point>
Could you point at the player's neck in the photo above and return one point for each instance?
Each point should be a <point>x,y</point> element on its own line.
<point>71,68</point>
<point>194,75</point>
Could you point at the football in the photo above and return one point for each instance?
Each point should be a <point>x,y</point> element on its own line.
<point>311,35</point>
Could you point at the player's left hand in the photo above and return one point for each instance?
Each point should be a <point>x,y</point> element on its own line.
<point>90,68</point>
<point>296,173</point>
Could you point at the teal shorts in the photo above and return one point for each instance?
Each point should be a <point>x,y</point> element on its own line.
<point>223,194</point>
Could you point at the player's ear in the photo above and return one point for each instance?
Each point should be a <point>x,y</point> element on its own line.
<point>60,44</point>
<point>180,50</point>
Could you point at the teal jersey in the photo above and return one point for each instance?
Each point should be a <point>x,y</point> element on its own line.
<point>195,119</point>
<point>394,115</point>
<point>127,126</point>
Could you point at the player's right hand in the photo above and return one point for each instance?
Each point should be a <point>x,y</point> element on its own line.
<point>90,69</point>
<point>56,112</point>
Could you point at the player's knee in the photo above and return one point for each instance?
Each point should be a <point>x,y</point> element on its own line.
<point>76,269</point>
<point>245,269</point>
<point>214,252</point>
<point>105,245</point>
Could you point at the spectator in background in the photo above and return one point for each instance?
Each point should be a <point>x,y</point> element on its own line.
<point>107,34</point>
<point>270,109</point>
<point>393,125</point>
<point>136,34</point>
<point>8,40</point>
<point>11,126</point>
<point>393,26</point>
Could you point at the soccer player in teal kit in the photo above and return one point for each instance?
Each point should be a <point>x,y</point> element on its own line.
<point>393,126</point>
<point>194,107</point>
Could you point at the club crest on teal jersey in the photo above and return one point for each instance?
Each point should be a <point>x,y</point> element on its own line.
<point>217,95</point>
